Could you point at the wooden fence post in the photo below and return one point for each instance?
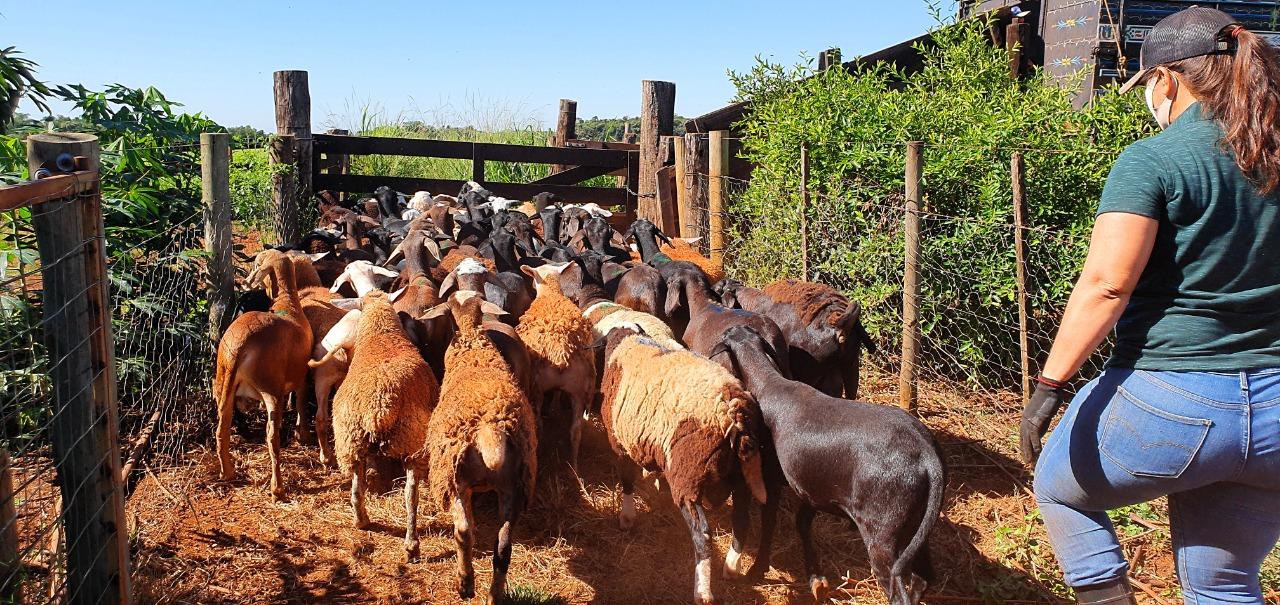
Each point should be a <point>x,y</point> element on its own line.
<point>686,226</point>
<point>215,166</point>
<point>717,191</point>
<point>293,118</point>
<point>566,128</point>
<point>657,118</point>
<point>344,161</point>
<point>697,174</point>
<point>281,159</point>
<point>10,563</point>
<point>1015,40</point>
<point>77,329</point>
<point>804,211</point>
<point>828,59</point>
<point>907,393</point>
<point>1016,169</point>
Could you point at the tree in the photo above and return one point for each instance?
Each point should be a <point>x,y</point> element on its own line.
<point>18,80</point>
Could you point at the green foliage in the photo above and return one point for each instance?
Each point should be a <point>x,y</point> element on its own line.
<point>18,81</point>
<point>251,189</point>
<point>523,594</point>
<point>611,129</point>
<point>971,115</point>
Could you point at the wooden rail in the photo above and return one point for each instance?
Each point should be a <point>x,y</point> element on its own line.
<point>30,193</point>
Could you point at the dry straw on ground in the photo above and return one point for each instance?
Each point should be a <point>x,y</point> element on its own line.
<point>197,540</point>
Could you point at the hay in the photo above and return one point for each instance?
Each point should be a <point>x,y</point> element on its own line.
<point>198,540</point>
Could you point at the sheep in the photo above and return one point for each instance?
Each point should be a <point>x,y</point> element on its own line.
<point>361,275</point>
<point>559,341</point>
<point>823,330</point>
<point>330,358</point>
<point>877,466</point>
<point>682,249</point>
<point>675,412</point>
<point>506,289</point>
<point>708,320</point>
<point>263,357</point>
<point>384,407</point>
<point>421,201</point>
<point>481,438</point>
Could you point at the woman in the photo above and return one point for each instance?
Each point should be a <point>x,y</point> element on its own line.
<point>1185,265</point>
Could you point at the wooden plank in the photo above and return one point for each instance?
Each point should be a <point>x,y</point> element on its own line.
<point>631,182</point>
<point>359,183</point>
<point>696,171</point>
<point>907,393</point>
<point>616,145</point>
<point>461,150</point>
<point>566,128</point>
<point>25,195</point>
<point>574,176</point>
<point>682,192</point>
<point>667,200</point>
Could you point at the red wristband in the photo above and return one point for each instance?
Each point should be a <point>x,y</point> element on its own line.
<point>1051,383</point>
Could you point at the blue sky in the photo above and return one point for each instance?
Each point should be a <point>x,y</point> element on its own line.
<point>481,62</point>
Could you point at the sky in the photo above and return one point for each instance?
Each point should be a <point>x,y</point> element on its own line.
<point>487,64</point>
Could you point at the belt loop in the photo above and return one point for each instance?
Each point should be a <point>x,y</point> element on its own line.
<point>1244,384</point>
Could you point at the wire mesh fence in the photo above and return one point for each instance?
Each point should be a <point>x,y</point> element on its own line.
<point>854,233</point>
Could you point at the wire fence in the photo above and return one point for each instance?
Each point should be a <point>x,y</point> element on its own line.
<point>854,234</point>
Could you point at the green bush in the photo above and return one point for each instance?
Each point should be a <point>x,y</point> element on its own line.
<point>971,115</point>
<point>250,183</point>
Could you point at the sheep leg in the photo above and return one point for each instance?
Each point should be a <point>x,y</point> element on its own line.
<point>226,466</point>
<point>579,411</point>
<point>358,487</point>
<point>804,526</point>
<point>628,473</point>
<point>741,518</point>
<point>508,511</point>
<point>768,522</point>
<point>411,512</point>
<point>697,520</point>
<point>302,431</point>
<point>464,535</point>
<point>324,422</point>
<point>275,411</point>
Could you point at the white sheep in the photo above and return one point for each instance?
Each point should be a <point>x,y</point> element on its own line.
<point>330,358</point>
<point>360,274</point>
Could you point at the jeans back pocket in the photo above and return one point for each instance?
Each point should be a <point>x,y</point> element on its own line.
<point>1149,442</point>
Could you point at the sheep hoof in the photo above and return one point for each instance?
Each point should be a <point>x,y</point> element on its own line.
<point>818,586</point>
<point>305,437</point>
<point>467,587</point>
<point>279,494</point>
<point>362,522</point>
<point>411,551</point>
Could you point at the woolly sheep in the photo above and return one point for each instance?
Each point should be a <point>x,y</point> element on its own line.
<point>681,414</point>
<point>559,340</point>
<point>331,357</point>
<point>481,438</point>
<point>384,406</point>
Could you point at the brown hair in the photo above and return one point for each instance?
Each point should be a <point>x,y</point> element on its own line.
<point>1241,91</point>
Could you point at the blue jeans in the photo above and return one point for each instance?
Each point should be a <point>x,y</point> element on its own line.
<point>1210,441</point>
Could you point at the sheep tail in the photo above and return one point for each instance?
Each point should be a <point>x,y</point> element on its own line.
<point>491,442</point>
<point>901,585</point>
<point>224,379</point>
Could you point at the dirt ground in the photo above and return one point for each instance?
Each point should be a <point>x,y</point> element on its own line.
<point>197,540</point>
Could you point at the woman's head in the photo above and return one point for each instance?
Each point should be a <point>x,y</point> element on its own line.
<point>1203,54</point>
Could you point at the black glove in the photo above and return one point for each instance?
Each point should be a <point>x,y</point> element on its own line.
<point>1040,410</point>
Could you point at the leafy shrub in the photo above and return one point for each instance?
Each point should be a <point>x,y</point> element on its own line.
<point>971,115</point>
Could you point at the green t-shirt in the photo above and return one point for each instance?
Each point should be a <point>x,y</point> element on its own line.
<point>1209,298</point>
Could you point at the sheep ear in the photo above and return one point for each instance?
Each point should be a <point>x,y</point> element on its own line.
<point>491,309</point>
<point>394,296</point>
<point>342,279</point>
<point>447,285</point>
<point>577,238</point>
<point>316,257</point>
<point>692,241</point>
<point>348,304</point>
<point>369,221</point>
<point>432,247</point>
<point>435,311</point>
<point>532,273</point>
<point>396,254</point>
<point>675,297</point>
<point>616,238</point>
<point>848,321</point>
<point>340,354</point>
<point>662,236</point>
<point>385,272</point>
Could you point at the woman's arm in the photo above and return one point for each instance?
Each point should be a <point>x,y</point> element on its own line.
<point>1118,252</point>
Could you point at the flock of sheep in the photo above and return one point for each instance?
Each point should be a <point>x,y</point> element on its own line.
<point>440,331</point>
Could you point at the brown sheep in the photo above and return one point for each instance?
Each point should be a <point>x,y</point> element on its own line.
<point>559,341</point>
<point>678,413</point>
<point>384,407</point>
<point>263,357</point>
<point>482,438</point>
<point>683,249</point>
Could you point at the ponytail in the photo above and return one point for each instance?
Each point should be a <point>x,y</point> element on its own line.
<point>1241,91</point>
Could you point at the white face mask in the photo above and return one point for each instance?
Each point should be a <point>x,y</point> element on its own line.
<point>1162,113</point>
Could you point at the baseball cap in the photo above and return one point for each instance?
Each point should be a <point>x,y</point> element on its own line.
<point>1194,32</point>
